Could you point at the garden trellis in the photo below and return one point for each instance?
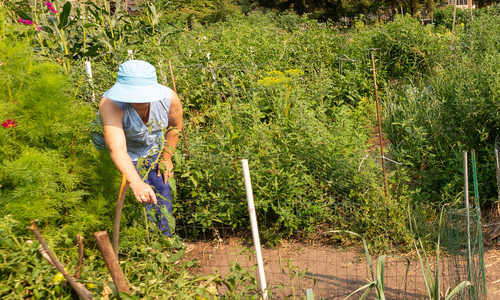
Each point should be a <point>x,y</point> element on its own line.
<point>299,257</point>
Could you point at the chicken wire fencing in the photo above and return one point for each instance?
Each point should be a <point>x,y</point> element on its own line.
<point>464,245</point>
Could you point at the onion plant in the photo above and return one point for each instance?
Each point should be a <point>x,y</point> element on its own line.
<point>377,282</point>
<point>431,278</point>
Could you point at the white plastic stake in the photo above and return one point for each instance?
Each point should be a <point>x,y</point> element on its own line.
<point>88,68</point>
<point>255,228</point>
<point>466,200</point>
<point>130,54</point>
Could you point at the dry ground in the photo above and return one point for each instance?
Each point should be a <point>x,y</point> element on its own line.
<point>332,273</point>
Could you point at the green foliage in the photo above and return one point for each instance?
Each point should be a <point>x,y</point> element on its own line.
<point>290,94</point>
<point>152,272</point>
<point>23,271</point>
<point>429,126</point>
<point>41,153</point>
<point>408,49</point>
<point>444,17</point>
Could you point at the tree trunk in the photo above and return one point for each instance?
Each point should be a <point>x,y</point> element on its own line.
<point>413,7</point>
<point>394,8</point>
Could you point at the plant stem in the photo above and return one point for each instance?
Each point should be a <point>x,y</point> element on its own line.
<point>146,222</point>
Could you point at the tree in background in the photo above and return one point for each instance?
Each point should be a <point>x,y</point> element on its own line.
<point>335,9</point>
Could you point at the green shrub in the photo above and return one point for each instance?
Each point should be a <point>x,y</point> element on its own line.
<point>408,49</point>
<point>43,155</point>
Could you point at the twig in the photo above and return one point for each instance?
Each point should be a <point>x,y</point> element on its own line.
<point>46,256</point>
<point>79,240</point>
<point>118,215</point>
<point>78,287</point>
<point>111,261</point>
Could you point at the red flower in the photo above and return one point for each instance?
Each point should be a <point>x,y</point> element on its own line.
<point>9,123</point>
<point>51,7</point>
<point>26,22</point>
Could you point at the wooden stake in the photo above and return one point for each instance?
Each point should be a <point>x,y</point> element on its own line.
<point>111,261</point>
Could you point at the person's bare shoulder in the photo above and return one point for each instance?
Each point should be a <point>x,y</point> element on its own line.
<point>109,111</point>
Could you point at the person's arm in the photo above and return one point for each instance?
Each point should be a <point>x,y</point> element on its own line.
<point>172,136</point>
<point>111,117</point>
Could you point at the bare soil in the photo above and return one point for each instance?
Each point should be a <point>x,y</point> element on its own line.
<point>332,273</point>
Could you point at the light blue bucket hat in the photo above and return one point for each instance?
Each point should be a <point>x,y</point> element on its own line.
<point>137,83</point>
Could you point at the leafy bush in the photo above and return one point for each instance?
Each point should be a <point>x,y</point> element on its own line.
<point>430,128</point>
<point>408,49</point>
<point>444,16</point>
<point>42,152</point>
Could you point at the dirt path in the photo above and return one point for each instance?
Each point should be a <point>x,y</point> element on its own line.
<point>332,273</point>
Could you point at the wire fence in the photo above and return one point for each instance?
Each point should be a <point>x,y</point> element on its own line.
<point>333,267</point>
<point>327,262</point>
<point>465,254</point>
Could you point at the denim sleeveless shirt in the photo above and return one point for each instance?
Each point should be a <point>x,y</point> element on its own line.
<point>142,139</point>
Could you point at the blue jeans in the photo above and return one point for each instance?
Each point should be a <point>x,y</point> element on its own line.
<point>163,196</point>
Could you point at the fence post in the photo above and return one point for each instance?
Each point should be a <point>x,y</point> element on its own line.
<point>255,228</point>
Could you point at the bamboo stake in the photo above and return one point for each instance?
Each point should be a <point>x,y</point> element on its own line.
<point>78,287</point>
<point>172,74</point>
<point>379,124</point>
<point>111,261</point>
<point>119,207</point>
<point>175,90</point>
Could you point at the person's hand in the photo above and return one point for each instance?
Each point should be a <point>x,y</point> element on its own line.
<point>167,168</point>
<point>143,192</point>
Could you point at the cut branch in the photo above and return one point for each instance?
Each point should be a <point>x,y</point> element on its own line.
<point>79,240</point>
<point>78,287</point>
<point>111,261</point>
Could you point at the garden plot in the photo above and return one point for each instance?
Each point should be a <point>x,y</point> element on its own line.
<point>332,273</point>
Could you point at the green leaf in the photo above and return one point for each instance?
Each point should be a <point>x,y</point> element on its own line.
<point>64,16</point>
<point>90,24</point>
<point>457,289</point>
<point>177,255</point>
<point>92,51</point>
<point>380,277</point>
<point>173,187</point>
<point>125,296</point>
